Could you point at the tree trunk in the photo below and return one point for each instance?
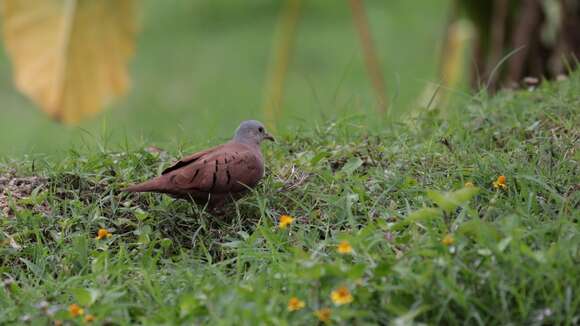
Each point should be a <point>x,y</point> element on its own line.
<point>515,39</point>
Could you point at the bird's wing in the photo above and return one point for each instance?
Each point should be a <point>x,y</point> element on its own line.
<point>190,159</point>
<point>229,169</point>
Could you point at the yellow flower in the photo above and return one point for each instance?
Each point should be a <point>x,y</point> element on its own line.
<point>103,233</point>
<point>344,247</point>
<point>323,314</point>
<point>468,184</point>
<point>89,318</point>
<point>448,240</point>
<point>75,310</point>
<point>295,304</point>
<point>341,296</point>
<point>500,183</point>
<point>285,220</point>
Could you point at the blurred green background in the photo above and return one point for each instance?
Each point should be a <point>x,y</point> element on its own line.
<point>201,66</point>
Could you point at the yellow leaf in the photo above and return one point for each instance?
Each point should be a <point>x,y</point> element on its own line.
<point>70,56</point>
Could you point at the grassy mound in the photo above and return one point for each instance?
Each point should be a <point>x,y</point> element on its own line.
<point>394,226</point>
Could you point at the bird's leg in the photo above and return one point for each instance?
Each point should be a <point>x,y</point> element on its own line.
<point>216,206</point>
<point>218,211</point>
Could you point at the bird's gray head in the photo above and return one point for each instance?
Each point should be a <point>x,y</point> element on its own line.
<point>252,132</point>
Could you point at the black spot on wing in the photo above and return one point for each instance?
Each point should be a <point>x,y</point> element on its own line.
<point>194,176</point>
<point>178,165</point>
<point>213,182</point>
<point>229,176</point>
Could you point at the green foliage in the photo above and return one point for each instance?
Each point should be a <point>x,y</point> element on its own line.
<point>392,195</point>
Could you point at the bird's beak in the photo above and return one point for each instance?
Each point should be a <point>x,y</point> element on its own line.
<point>269,137</point>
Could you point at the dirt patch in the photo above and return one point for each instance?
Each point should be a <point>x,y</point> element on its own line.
<point>291,177</point>
<point>14,192</point>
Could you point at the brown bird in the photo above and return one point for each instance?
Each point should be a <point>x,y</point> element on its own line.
<point>216,174</point>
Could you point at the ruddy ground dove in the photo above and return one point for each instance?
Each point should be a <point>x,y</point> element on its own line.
<point>214,175</point>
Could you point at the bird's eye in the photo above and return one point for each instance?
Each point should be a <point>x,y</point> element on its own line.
<point>261,129</point>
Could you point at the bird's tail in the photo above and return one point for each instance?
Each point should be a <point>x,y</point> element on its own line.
<point>153,185</point>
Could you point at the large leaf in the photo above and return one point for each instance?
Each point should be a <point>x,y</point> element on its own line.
<point>85,297</point>
<point>351,166</point>
<point>449,201</point>
<point>481,231</point>
<point>70,56</point>
<point>420,215</point>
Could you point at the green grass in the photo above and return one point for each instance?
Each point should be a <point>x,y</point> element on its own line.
<point>201,67</point>
<point>514,259</point>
